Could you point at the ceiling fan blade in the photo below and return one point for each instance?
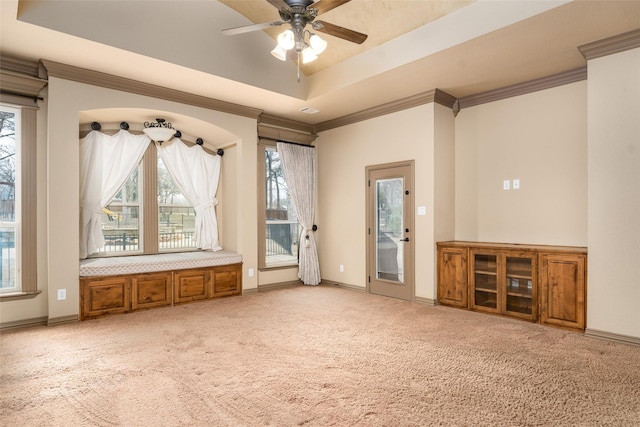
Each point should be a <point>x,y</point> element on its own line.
<point>326,5</point>
<point>341,32</point>
<point>279,4</point>
<point>249,28</point>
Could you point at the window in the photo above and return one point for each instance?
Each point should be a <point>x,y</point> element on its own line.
<point>149,214</point>
<point>177,218</point>
<point>121,218</point>
<point>10,197</point>
<point>279,228</point>
<point>18,207</point>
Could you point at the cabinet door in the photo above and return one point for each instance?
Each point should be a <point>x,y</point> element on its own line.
<point>563,290</point>
<point>108,295</point>
<point>150,290</point>
<point>191,285</point>
<point>452,277</point>
<point>226,280</point>
<point>485,293</point>
<point>519,294</point>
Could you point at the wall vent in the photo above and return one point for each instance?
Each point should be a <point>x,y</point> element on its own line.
<point>309,110</point>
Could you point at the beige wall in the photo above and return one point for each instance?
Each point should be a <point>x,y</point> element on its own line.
<point>343,154</point>
<point>58,266</point>
<point>613,303</point>
<point>538,138</point>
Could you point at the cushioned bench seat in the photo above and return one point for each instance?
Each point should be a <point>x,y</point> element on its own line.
<point>136,264</point>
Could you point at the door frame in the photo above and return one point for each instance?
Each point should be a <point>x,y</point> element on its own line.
<point>409,272</point>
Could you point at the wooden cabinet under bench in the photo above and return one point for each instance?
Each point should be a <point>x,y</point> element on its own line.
<point>545,284</point>
<point>102,292</point>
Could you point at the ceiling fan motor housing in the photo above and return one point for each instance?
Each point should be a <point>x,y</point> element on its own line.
<point>301,3</point>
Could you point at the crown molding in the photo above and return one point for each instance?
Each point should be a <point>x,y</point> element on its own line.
<point>19,65</point>
<point>282,134</point>
<point>611,45</point>
<point>269,119</point>
<point>535,85</point>
<point>20,84</point>
<point>95,78</point>
<point>434,95</point>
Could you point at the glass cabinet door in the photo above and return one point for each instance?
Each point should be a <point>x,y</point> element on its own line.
<point>485,281</point>
<point>519,295</point>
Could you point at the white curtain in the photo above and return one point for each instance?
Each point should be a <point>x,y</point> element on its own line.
<point>196,173</point>
<point>298,163</point>
<point>105,164</point>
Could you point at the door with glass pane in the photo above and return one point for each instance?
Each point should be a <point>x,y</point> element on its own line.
<point>390,230</point>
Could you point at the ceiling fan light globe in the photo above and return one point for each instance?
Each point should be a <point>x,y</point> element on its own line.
<point>308,55</point>
<point>279,53</point>
<point>286,40</point>
<point>318,44</point>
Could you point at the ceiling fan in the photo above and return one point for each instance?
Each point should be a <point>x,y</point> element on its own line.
<point>299,14</point>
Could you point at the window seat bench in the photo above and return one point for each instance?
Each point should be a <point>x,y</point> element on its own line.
<point>123,284</point>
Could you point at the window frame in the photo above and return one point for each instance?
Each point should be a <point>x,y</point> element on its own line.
<point>149,227</point>
<point>26,203</point>
<point>263,145</point>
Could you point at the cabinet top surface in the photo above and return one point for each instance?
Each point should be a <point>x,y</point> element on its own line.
<point>514,246</point>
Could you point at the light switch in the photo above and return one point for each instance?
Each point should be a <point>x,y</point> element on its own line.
<point>422,210</point>
<point>506,184</point>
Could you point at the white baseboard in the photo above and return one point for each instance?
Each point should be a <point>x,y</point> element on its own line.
<point>625,339</point>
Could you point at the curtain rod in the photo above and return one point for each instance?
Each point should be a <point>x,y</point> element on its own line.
<point>125,126</point>
<point>286,142</point>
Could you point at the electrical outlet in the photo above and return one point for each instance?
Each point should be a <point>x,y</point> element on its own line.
<point>341,268</point>
<point>251,272</point>
<point>62,294</point>
<point>516,184</point>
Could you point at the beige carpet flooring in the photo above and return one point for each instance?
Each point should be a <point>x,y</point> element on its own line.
<point>314,356</point>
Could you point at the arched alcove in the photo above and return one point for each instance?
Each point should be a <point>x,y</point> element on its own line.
<point>215,136</point>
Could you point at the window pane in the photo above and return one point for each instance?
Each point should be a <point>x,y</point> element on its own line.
<point>282,230</point>
<point>389,229</point>
<point>7,257</point>
<point>176,217</point>
<point>9,144</point>
<point>121,218</point>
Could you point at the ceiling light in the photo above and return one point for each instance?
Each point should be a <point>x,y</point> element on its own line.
<point>279,53</point>
<point>286,40</point>
<point>295,38</point>
<point>308,55</point>
<point>317,44</point>
<point>159,131</point>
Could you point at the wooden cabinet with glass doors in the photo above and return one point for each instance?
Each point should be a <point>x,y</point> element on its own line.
<point>502,282</point>
<point>545,284</point>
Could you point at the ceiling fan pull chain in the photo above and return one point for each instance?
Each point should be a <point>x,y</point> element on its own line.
<point>298,67</point>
